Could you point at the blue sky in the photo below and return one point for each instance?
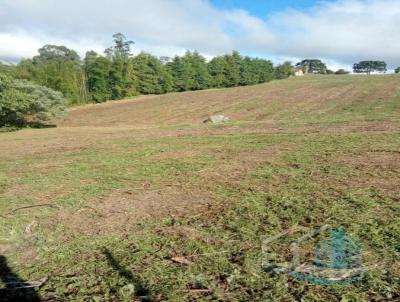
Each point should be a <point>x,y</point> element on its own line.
<point>264,8</point>
<point>339,32</point>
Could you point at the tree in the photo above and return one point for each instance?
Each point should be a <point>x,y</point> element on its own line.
<point>189,72</point>
<point>342,71</point>
<point>97,70</point>
<point>264,70</point>
<point>51,52</point>
<point>312,66</point>
<point>152,76</point>
<point>397,70</point>
<point>121,78</point>
<point>369,66</point>
<point>284,70</point>
<point>217,69</point>
<point>56,67</point>
<point>20,98</point>
<point>232,72</point>
<point>121,47</point>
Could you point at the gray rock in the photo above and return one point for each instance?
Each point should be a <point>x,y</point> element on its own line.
<point>215,119</point>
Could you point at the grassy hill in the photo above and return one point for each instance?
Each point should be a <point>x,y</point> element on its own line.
<point>139,200</point>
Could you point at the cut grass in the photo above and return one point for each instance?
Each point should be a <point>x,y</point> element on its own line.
<point>256,185</point>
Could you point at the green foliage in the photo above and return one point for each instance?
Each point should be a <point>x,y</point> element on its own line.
<point>397,70</point>
<point>369,66</point>
<point>51,52</point>
<point>56,67</point>
<point>152,76</point>
<point>118,74</point>
<point>20,98</point>
<point>189,72</point>
<point>217,69</point>
<point>233,70</point>
<point>121,48</point>
<point>312,66</point>
<point>342,71</point>
<point>284,70</point>
<point>97,71</point>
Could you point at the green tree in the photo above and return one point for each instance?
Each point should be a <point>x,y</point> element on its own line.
<point>312,66</point>
<point>121,78</point>
<point>181,74</point>
<point>265,70</point>
<point>121,47</point>
<point>232,73</point>
<point>56,67</point>
<point>152,76</point>
<point>218,69</point>
<point>97,70</point>
<point>284,70</point>
<point>248,72</point>
<point>189,72</point>
<point>20,98</point>
<point>50,52</point>
<point>397,70</point>
<point>369,66</point>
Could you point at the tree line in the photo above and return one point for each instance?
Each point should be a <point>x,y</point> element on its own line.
<point>118,74</point>
<point>57,77</point>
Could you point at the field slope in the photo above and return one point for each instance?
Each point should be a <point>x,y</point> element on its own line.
<point>138,200</point>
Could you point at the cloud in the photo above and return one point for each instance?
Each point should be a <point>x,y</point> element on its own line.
<point>340,32</point>
<point>346,31</point>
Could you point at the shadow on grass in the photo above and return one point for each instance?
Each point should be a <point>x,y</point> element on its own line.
<point>39,125</point>
<point>12,281</point>
<point>140,290</point>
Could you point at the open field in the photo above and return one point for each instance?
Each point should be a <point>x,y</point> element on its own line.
<point>123,188</point>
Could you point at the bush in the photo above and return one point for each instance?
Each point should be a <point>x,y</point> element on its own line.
<point>342,71</point>
<point>21,100</point>
<point>397,70</point>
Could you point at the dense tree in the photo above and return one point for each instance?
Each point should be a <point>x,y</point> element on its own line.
<point>217,69</point>
<point>248,72</point>
<point>233,66</point>
<point>397,70</point>
<point>56,67</point>
<point>284,70</point>
<point>118,74</point>
<point>152,76</point>
<point>51,52</point>
<point>264,70</point>
<point>312,66</point>
<point>97,70</point>
<point>121,78</point>
<point>369,66</point>
<point>20,98</point>
<point>189,72</point>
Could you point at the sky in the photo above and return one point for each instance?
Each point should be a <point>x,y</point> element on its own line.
<point>340,32</point>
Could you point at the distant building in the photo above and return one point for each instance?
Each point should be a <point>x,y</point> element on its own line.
<point>298,71</point>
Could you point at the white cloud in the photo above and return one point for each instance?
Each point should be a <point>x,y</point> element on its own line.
<point>345,30</point>
<point>341,31</point>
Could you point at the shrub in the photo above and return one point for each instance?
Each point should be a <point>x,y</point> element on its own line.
<point>342,71</point>
<point>20,99</point>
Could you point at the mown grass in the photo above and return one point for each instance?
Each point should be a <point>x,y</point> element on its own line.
<point>305,185</point>
<point>260,184</point>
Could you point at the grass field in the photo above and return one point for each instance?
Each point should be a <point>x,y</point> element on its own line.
<point>138,200</point>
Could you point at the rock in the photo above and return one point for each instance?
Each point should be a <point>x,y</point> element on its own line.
<point>216,119</point>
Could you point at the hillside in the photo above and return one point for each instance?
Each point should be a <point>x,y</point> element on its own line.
<point>138,200</point>
<point>300,99</point>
